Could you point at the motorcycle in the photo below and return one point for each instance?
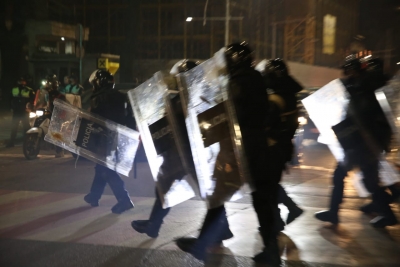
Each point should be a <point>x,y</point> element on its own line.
<point>34,137</point>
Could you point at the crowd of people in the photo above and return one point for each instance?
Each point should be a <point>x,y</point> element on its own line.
<point>266,108</point>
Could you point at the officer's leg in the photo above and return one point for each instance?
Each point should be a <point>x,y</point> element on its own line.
<point>332,215</point>
<point>98,186</point>
<point>215,227</point>
<point>266,169</point>
<point>152,226</point>
<point>380,198</point>
<point>14,128</point>
<point>118,187</point>
<point>25,123</point>
<point>339,175</point>
<point>294,210</point>
<point>209,234</point>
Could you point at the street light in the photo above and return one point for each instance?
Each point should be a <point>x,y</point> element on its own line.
<point>227,18</point>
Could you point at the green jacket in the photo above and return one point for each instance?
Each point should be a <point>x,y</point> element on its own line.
<point>75,89</point>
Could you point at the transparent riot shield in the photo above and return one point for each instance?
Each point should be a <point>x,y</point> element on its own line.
<point>389,100</point>
<point>93,137</point>
<point>327,107</point>
<point>214,133</point>
<point>159,117</point>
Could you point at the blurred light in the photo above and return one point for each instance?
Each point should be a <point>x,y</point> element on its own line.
<point>43,82</point>
<point>32,115</point>
<point>206,125</point>
<point>188,19</point>
<point>302,120</point>
<point>62,39</point>
<point>368,56</point>
<point>39,113</point>
<point>398,118</point>
<point>398,63</point>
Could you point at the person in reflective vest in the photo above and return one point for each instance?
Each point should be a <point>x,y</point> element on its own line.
<point>21,104</point>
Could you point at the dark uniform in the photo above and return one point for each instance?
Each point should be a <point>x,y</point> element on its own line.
<point>362,147</point>
<point>253,112</point>
<point>109,104</point>
<point>247,90</point>
<point>21,103</point>
<point>283,102</point>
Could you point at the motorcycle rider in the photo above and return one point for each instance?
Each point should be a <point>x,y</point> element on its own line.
<point>152,226</point>
<point>282,89</point>
<point>373,137</point>
<point>21,104</point>
<point>53,93</point>
<point>109,104</point>
<point>247,90</point>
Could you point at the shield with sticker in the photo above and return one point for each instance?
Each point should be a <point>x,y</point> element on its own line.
<point>213,131</point>
<point>159,116</point>
<point>93,137</point>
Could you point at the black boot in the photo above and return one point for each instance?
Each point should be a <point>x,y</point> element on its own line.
<point>327,216</point>
<point>210,234</point>
<point>270,254</point>
<point>152,226</point>
<point>294,210</point>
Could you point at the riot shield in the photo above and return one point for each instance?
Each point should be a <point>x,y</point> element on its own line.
<point>389,100</point>
<point>93,137</point>
<point>159,117</point>
<point>327,107</point>
<point>214,133</point>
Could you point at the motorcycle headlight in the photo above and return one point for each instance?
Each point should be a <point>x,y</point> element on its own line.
<point>302,121</point>
<point>39,113</point>
<point>32,115</point>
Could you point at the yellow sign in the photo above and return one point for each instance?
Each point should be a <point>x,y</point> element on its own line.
<point>102,63</point>
<point>329,34</point>
<point>113,67</point>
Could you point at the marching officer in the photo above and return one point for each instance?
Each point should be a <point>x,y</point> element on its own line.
<point>110,104</point>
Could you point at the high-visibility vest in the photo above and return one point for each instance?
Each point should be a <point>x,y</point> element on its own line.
<point>25,92</point>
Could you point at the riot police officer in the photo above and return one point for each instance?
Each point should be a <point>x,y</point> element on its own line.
<point>362,147</point>
<point>109,104</point>
<point>21,104</point>
<point>247,90</point>
<point>282,89</point>
<point>172,167</point>
<point>170,170</point>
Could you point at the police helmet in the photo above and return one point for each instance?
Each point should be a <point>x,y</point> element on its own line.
<point>374,65</point>
<point>183,66</point>
<point>22,80</point>
<point>52,82</point>
<point>351,65</point>
<point>273,67</point>
<point>101,80</point>
<point>239,56</point>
